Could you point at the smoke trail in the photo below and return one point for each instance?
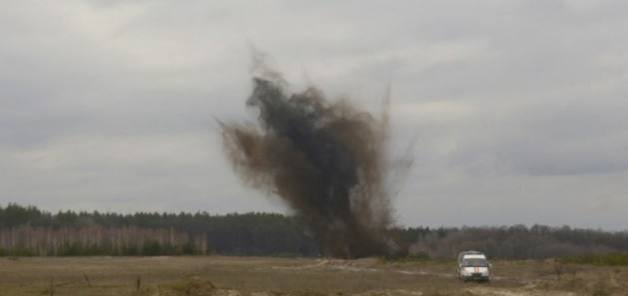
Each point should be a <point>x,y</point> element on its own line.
<point>324,159</point>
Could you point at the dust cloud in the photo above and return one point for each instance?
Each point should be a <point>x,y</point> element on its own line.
<point>326,160</point>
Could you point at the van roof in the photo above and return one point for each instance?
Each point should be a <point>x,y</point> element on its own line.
<point>471,252</point>
<point>474,256</point>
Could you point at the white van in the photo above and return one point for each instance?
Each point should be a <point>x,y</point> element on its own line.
<point>473,265</point>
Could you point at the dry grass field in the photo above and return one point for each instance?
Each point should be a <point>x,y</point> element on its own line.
<point>279,276</point>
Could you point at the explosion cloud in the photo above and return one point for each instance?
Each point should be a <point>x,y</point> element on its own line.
<point>324,160</point>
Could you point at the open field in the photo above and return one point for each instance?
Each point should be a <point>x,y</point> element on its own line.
<point>257,276</point>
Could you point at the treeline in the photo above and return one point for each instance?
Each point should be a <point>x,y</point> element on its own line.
<point>28,231</point>
<point>97,240</point>
<point>516,242</point>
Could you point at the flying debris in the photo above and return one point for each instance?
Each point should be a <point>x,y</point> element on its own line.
<point>325,160</point>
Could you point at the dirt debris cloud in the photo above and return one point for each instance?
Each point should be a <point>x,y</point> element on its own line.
<point>325,160</point>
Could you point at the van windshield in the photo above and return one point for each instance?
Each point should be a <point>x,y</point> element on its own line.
<point>475,262</point>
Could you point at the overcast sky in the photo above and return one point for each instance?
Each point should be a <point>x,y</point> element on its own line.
<point>519,108</point>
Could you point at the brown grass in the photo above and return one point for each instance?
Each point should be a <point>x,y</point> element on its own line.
<point>142,276</point>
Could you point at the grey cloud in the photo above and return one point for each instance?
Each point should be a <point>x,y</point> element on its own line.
<point>518,106</point>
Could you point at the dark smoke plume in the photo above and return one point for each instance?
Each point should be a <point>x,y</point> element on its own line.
<point>325,160</point>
